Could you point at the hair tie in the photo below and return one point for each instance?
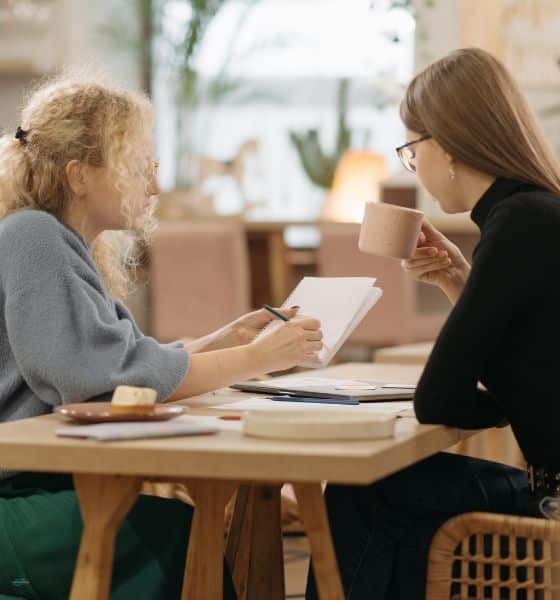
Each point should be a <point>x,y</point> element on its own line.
<point>21,135</point>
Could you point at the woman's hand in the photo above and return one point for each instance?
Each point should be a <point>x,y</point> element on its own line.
<point>287,344</point>
<point>438,261</point>
<point>245,329</point>
<point>290,344</point>
<point>240,332</point>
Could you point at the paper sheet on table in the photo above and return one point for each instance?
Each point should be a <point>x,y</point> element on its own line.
<point>105,432</point>
<point>399,408</point>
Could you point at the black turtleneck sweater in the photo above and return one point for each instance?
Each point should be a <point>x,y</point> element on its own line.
<point>504,330</point>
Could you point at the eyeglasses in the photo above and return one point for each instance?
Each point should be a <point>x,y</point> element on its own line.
<point>407,155</point>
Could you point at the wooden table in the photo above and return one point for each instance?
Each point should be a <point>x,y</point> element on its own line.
<point>108,477</point>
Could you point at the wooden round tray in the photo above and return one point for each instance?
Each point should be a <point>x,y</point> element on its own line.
<point>318,425</point>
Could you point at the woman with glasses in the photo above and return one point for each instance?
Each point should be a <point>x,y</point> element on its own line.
<point>475,146</point>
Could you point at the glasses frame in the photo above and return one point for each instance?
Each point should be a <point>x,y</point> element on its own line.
<point>400,152</point>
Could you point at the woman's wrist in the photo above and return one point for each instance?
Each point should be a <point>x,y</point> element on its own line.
<point>235,333</point>
<point>452,291</point>
<point>258,358</point>
<point>217,340</point>
<point>453,288</point>
<point>224,337</point>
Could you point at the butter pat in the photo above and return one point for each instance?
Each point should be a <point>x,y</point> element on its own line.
<point>128,398</point>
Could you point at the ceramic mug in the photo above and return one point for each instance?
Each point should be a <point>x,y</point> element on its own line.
<point>390,230</point>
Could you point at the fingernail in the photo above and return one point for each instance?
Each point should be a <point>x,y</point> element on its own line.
<point>295,307</point>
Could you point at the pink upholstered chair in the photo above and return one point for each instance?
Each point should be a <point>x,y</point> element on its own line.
<point>395,318</point>
<point>199,278</point>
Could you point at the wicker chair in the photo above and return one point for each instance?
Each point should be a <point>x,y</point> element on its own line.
<point>479,556</point>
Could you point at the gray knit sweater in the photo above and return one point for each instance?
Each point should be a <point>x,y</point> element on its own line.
<point>62,338</point>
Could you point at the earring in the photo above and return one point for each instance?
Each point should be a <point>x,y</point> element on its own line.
<point>451,173</point>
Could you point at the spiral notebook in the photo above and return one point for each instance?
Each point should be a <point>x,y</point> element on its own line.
<point>340,303</point>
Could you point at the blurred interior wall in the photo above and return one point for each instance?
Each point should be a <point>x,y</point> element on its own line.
<point>74,36</point>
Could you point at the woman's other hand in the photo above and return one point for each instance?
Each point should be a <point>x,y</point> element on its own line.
<point>245,329</point>
<point>439,262</point>
<point>289,344</point>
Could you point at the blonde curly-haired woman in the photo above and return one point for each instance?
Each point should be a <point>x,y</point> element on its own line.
<point>75,176</point>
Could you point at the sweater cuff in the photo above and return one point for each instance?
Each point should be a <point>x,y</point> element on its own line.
<point>177,367</point>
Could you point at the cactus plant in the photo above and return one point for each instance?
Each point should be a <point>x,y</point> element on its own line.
<point>318,164</point>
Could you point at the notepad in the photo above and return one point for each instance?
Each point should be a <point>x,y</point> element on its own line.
<point>340,303</point>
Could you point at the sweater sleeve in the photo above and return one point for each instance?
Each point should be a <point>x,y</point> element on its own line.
<point>498,288</point>
<point>67,338</point>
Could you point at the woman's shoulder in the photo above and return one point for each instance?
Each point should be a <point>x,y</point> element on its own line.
<point>534,200</point>
<point>34,244</point>
<point>29,221</point>
<point>33,232</point>
<point>526,222</point>
<point>531,207</point>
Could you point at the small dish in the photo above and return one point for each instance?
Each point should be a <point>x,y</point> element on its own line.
<point>100,412</point>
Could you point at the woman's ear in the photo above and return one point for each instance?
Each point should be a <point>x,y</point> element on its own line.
<point>76,178</point>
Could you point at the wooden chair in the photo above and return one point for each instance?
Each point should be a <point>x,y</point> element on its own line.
<point>479,556</point>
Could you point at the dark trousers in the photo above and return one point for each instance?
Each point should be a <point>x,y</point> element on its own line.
<point>382,532</point>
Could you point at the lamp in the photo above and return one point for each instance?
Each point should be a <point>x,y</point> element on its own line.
<point>356,181</point>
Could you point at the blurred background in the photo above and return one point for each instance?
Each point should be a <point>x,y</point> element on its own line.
<point>276,120</point>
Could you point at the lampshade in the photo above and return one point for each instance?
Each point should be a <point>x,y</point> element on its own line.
<point>356,181</point>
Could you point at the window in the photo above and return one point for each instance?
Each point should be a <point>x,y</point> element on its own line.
<point>270,67</point>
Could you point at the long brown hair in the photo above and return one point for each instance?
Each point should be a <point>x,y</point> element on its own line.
<point>470,104</point>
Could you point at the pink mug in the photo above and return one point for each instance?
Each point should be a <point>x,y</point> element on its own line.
<point>390,230</point>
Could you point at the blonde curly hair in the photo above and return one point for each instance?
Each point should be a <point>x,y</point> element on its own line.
<point>75,118</point>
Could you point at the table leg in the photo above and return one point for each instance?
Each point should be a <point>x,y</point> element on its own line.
<point>313,515</point>
<point>104,502</point>
<point>254,547</point>
<point>204,568</point>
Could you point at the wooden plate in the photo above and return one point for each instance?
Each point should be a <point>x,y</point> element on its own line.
<point>318,425</point>
<point>100,412</point>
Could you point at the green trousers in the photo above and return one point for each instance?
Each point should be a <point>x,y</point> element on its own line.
<point>40,529</point>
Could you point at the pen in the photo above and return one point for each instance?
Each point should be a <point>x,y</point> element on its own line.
<point>274,312</point>
<point>313,400</point>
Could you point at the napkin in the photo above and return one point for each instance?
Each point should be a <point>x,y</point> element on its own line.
<point>135,430</point>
